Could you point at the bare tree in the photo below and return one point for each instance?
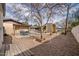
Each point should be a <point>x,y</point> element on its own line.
<point>67,18</point>
<point>40,12</point>
<point>65,9</point>
<point>69,7</point>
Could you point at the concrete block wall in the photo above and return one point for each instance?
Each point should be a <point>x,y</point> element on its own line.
<point>75,32</point>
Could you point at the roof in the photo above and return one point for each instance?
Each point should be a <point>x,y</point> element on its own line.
<point>7,20</point>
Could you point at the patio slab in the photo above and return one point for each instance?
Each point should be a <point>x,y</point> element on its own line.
<point>20,46</point>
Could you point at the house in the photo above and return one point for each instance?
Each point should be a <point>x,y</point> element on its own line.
<point>1,24</point>
<point>13,27</point>
<point>50,28</point>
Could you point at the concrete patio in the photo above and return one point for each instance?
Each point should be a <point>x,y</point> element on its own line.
<point>16,45</point>
<point>55,45</point>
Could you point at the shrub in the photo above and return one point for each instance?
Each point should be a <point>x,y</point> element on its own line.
<point>74,24</point>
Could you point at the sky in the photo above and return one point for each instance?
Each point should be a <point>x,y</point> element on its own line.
<point>25,12</point>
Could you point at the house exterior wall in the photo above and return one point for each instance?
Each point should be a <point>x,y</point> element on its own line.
<point>12,29</point>
<point>19,28</point>
<point>50,28</point>
<point>8,27</point>
<point>1,26</point>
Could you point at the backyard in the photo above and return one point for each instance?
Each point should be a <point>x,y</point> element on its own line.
<point>58,44</point>
<point>40,29</point>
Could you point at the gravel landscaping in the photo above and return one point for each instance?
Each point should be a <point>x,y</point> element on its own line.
<point>62,45</point>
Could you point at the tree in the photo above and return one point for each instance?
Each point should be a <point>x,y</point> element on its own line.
<point>69,7</point>
<point>66,13</point>
<point>20,12</point>
<point>41,12</point>
<point>76,17</point>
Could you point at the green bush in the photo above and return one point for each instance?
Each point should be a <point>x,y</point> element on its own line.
<point>75,23</point>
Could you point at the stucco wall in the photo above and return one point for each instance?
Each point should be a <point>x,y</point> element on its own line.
<point>50,27</point>
<point>75,32</point>
<point>8,27</point>
<point>1,26</point>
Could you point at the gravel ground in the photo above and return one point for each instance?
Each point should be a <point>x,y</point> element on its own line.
<point>62,45</point>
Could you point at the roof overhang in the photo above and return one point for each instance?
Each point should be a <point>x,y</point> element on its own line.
<point>16,23</point>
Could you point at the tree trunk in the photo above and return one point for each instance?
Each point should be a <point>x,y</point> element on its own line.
<point>66,25</point>
<point>41,34</point>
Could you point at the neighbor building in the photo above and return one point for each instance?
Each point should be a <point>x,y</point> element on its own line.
<point>50,28</point>
<point>13,27</point>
